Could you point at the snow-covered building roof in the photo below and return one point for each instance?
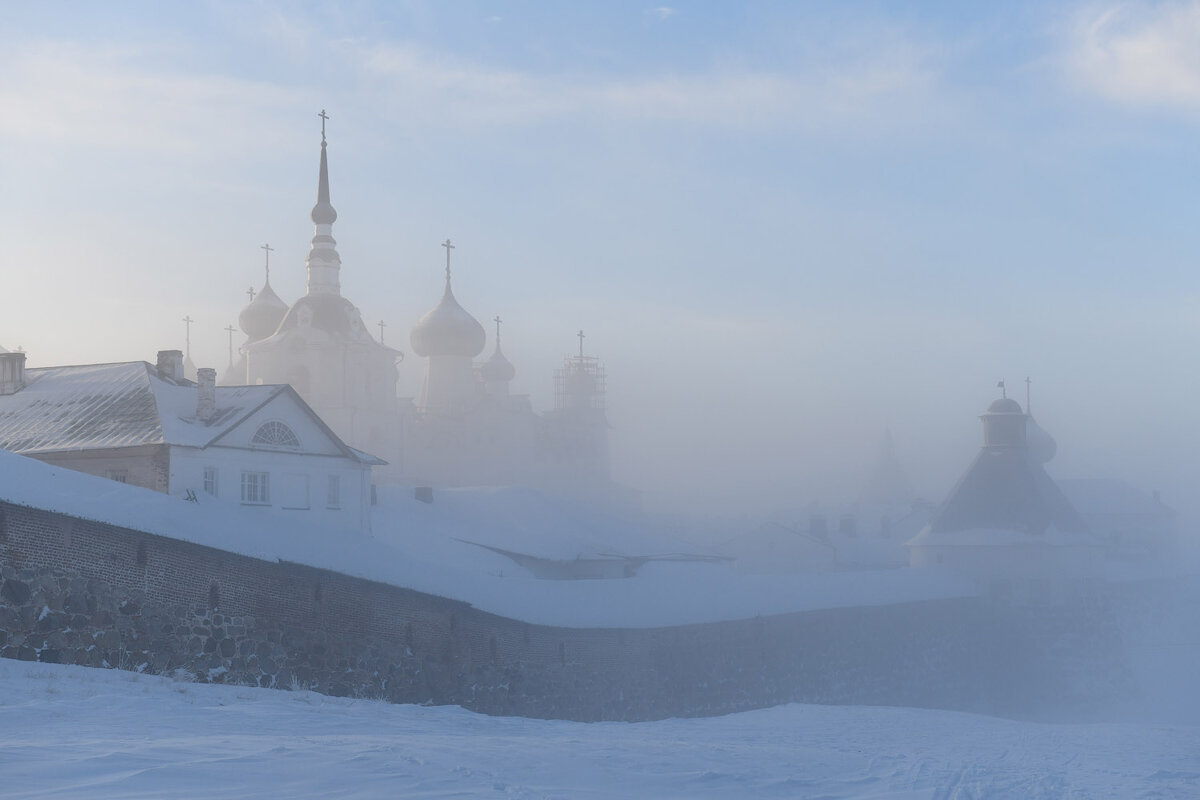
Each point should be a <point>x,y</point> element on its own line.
<point>1111,496</point>
<point>127,404</point>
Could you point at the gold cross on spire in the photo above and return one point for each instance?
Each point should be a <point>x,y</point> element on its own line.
<point>323,117</point>
<point>446,244</point>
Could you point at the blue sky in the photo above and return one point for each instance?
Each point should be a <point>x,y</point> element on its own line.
<point>783,225</point>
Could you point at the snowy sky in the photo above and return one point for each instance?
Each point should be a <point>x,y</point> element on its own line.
<point>784,226</point>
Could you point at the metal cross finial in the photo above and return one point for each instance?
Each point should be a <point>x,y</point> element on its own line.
<point>580,335</point>
<point>251,292</point>
<point>187,321</point>
<point>268,250</point>
<point>446,244</point>
<point>323,117</point>
<point>497,320</point>
<point>1003,391</point>
<point>382,325</point>
<point>1027,382</point>
<point>231,329</point>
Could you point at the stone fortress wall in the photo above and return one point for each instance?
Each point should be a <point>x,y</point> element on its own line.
<point>81,592</point>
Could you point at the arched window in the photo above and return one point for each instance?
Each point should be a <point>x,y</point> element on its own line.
<point>275,434</point>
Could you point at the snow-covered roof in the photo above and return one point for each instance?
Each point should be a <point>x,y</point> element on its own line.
<point>1110,496</point>
<point>1003,537</point>
<point>100,406</point>
<point>127,404</point>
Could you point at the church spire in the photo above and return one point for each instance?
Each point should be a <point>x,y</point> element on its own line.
<point>324,263</point>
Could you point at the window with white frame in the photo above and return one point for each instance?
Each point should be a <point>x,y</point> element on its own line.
<point>274,434</point>
<point>256,488</point>
<point>210,481</point>
<point>334,497</point>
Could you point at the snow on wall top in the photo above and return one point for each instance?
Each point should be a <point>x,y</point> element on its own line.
<point>100,406</point>
<point>411,548</point>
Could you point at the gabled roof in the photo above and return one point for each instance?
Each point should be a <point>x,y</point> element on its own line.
<point>102,406</point>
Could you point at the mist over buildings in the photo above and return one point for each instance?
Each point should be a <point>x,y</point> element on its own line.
<point>828,225</point>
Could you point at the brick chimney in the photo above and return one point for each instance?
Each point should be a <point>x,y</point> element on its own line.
<point>170,364</point>
<point>12,371</point>
<point>206,393</point>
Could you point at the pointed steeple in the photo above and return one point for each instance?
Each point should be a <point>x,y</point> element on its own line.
<point>323,261</point>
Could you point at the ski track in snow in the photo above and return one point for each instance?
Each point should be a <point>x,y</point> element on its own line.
<point>71,732</point>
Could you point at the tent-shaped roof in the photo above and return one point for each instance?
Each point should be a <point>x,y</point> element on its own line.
<point>1003,490</point>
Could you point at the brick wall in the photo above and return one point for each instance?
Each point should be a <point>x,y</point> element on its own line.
<point>83,592</point>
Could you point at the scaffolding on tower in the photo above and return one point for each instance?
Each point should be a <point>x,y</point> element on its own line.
<point>579,383</point>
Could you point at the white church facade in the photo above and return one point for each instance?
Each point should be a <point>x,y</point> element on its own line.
<point>465,427</point>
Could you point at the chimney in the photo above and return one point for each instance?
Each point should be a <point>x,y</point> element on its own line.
<point>206,393</point>
<point>12,371</point>
<point>170,364</point>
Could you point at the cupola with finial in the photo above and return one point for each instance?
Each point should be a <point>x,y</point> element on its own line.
<point>1003,422</point>
<point>265,311</point>
<point>497,371</point>
<point>1041,445</point>
<point>448,330</point>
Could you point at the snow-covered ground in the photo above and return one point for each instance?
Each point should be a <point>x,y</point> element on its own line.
<point>71,732</point>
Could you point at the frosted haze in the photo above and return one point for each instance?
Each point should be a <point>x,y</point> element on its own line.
<point>784,229</point>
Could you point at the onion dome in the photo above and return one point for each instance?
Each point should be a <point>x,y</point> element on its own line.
<point>448,330</point>
<point>497,369</point>
<point>261,318</point>
<point>1041,445</point>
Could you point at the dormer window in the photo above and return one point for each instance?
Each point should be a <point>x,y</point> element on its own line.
<point>275,434</point>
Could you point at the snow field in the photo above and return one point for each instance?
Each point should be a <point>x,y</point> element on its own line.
<point>71,732</point>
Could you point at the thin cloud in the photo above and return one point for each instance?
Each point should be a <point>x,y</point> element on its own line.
<point>883,89</point>
<point>662,12</point>
<point>55,92</point>
<point>1146,55</point>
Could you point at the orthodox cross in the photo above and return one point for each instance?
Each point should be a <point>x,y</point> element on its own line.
<point>251,292</point>
<point>231,329</point>
<point>187,321</point>
<point>268,250</point>
<point>1027,382</point>
<point>497,321</point>
<point>323,117</point>
<point>580,335</point>
<point>446,244</point>
<point>382,325</point>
